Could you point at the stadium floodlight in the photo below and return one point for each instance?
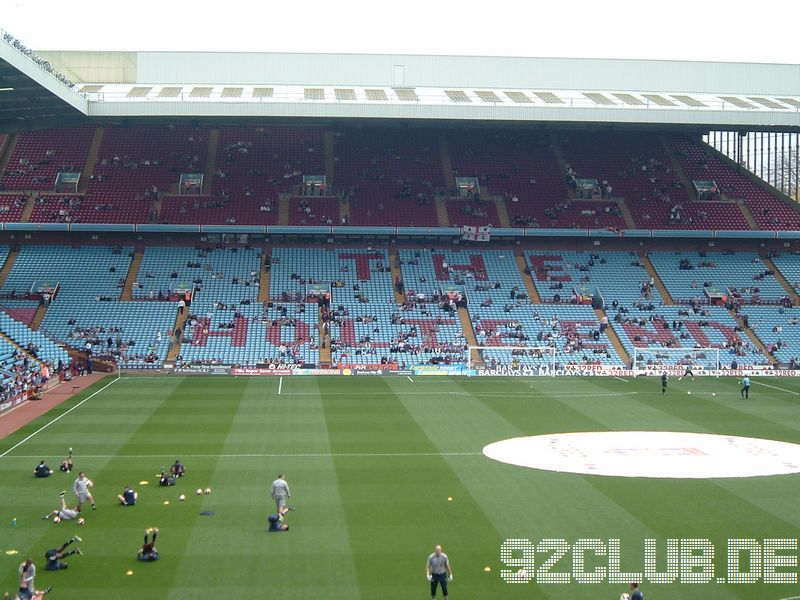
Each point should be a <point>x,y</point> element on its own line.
<point>672,360</point>
<point>512,358</point>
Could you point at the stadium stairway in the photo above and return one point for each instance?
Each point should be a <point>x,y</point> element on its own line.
<point>782,280</point>
<point>175,347</point>
<point>502,213</point>
<point>662,289</point>
<point>469,335</point>
<point>211,161</point>
<point>25,217</point>
<point>555,144</point>
<point>133,272</point>
<point>394,263</point>
<point>263,285</point>
<point>447,164</point>
<point>38,317</point>
<point>91,159</point>
<point>441,212</point>
<point>330,159</point>
<point>344,208</point>
<point>613,337</point>
<point>158,205</point>
<point>325,355</point>
<point>625,211</point>
<point>8,265</point>
<point>533,293</point>
<point>283,208</point>
<point>754,338</point>
<point>678,168</point>
<point>9,151</point>
<point>748,215</point>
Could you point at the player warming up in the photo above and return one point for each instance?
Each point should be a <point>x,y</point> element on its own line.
<point>276,521</point>
<point>687,373</point>
<point>128,497</point>
<point>27,575</point>
<point>438,571</point>
<point>42,470</point>
<point>149,553</point>
<point>745,387</point>
<point>166,479</point>
<point>65,513</point>
<point>177,470</point>
<point>54,555</point>
<point>66,464</point>
<point>81,487</point>
<point>280,493</point>
<point>664,383</point>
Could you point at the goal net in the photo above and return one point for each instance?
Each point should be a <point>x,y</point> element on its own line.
<point>512,358</point>
<point>675,360</point>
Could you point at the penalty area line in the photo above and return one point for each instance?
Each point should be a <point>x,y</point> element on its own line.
<point>280,385</point>
<point>65,413</point>
<point>409,378</point>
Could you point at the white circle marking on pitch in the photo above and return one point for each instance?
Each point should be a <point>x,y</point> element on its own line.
<point>657,454</point>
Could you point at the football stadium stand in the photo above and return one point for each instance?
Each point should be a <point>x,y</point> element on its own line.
<point>390,176</point>
<point>39,156</point>
<point>694,276</point>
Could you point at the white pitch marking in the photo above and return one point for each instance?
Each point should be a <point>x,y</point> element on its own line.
<point>409,378</point>
<point>475,394</point>
<point>775,387</point>
<point>621,379</point>
<point>280,386</point>
<point>267,455</point>
<point>66,412</point>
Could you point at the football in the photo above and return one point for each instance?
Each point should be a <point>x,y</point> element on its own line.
<point>181,497</point>
<point>625,596</point>
<point>81,521</point>
<point>56,519</point>
<point>208,490</point>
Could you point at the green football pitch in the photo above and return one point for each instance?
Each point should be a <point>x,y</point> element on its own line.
<point>381,469</point>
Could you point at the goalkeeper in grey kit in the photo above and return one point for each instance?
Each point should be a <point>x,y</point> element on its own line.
<point>438,571</point>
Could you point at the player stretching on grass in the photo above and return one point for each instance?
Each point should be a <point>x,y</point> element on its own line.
<point>64,513</point>
<point>81,488</point>
<point>280,493</point>
<point>149,553</point>
<point>276,521</point>
<point>745,387</point>
<point>54,555</point>
<point>66,464</point>
<point>128,497</point>
<point>437,570</point>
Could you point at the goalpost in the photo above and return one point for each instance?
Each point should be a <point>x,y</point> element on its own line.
<point>675,358</point>
<point>507,356</point>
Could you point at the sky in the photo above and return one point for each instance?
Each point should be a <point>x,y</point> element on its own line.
<point>716,30</point>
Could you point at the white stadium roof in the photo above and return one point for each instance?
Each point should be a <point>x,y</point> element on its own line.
<point>710,95</point>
